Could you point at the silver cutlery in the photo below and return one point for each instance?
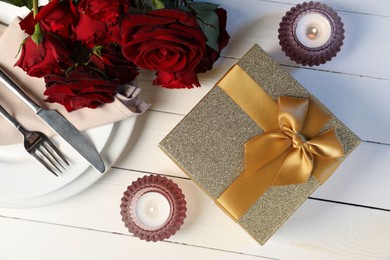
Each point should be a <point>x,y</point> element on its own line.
<point>59,124</point>
<point>39,146</point>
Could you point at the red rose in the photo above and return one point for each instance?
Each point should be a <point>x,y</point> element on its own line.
<point>167,40</point>
<point>212,55</point>
<point>50,56</point>
<point>83,87</point>
<point>103,10</point>
<point>177,80</point>
<point>58,16</point>
<point>112,62</point>
<point>92,33</point>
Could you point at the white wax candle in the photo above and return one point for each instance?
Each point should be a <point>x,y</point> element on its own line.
<point>313,30</point>
<point>152,209</point>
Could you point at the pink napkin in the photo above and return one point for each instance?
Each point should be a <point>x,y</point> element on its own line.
<point>125,105</point>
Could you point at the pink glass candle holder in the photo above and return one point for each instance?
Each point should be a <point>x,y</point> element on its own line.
<point>311,33</point>
<point>153,208</point>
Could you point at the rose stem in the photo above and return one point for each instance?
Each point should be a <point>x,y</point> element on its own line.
<point>37,36</point>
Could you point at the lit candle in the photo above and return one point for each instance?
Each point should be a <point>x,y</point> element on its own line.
<point>313,30</point>
<point>311,33</point>
<point>152,209</point>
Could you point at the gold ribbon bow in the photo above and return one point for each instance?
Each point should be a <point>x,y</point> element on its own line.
<point>288,143</point>
<point>291,149</point>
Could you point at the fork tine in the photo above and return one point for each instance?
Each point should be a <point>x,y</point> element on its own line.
<point>48,157</point>
<point>53,150</point>
<point>43,162</point>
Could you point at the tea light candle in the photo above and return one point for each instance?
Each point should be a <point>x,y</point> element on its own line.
<point>152,209</point>
<point>311,33</point>
<point>313,30</point>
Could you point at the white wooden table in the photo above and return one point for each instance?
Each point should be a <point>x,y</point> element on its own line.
<point>346,218</point>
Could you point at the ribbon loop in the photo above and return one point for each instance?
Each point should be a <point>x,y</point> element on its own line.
<point>296,167</point>
<point>327,144</point>
<point>262,149</point>
<point>292,113</point>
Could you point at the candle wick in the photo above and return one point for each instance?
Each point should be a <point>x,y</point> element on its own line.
<point>312,32</point>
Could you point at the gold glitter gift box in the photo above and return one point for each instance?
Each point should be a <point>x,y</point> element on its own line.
<point>259,144</point>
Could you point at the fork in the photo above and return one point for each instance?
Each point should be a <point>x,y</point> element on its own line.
<point>39,146</point>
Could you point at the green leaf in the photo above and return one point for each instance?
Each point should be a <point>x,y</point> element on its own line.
<point>185,9</point>
<point>37,38</point>
<point>158,4</point>
<point>69,70</point>
<point>97,50</point>
<point>199,6</point>
<point>212,35</point>
<point>208,20</point>
<point>20,3</point>
<point>21,46</point>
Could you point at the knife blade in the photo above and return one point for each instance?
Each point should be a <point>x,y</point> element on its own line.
<point>59,124</point>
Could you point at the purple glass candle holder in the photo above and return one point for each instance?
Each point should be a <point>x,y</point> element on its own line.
<point>311,33</point>
<point>153,208</point>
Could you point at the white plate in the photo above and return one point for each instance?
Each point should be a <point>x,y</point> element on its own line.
<point>26,183</point>
<point>23,177</point>
<point>110,150</point>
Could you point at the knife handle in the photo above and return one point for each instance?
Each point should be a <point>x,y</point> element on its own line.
<point>11,85</point>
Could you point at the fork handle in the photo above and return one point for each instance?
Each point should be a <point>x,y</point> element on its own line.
<point>11,119</point>
<point>11,85</point>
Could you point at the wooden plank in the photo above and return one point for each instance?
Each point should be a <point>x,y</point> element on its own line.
<point>32,240</point>
<point>318,230</point>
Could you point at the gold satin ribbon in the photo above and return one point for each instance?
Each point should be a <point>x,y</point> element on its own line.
<point>290,150</point>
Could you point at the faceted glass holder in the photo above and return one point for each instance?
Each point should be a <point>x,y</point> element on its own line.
<point>300,53</point>
<point>163,186</point>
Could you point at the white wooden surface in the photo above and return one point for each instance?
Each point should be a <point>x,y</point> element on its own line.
<point>347,218</point>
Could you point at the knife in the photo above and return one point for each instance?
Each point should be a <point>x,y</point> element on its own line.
<point>59,124</point>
